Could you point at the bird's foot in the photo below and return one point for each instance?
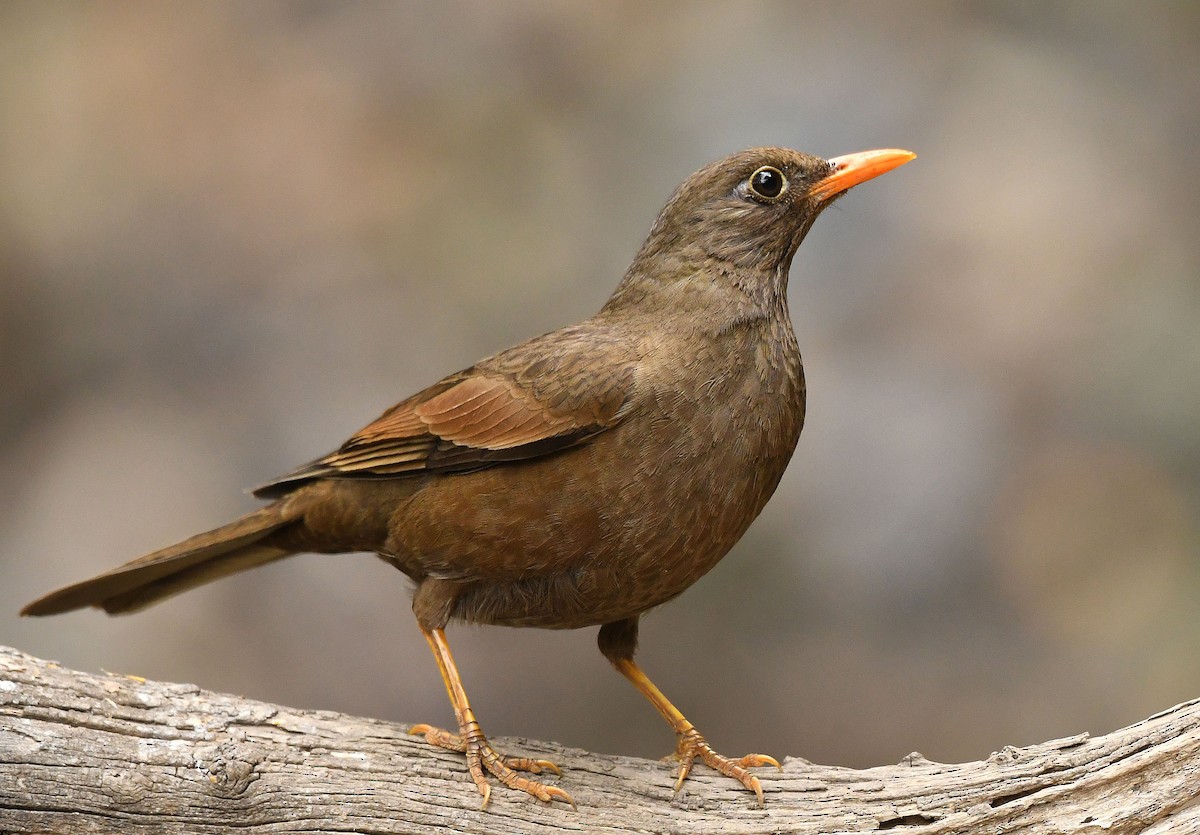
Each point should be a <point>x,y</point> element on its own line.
<point>481,757</point>
<point>693,745</point>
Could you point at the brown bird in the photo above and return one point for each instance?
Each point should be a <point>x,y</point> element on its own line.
<point>577,479</point>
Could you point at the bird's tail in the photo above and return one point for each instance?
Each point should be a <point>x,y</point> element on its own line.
<point>240,545</point>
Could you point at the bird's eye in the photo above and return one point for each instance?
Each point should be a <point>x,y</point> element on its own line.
<point>768,182</point>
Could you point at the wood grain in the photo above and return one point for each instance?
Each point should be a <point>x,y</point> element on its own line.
<point>88,753</point>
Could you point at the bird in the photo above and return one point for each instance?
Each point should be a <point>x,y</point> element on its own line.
<point>577,479</point>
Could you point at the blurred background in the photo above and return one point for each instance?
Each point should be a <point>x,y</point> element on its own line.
<point>233,233</point>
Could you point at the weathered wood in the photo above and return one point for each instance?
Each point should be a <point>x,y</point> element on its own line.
<point>113,754</point>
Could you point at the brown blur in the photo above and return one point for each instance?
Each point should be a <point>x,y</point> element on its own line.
<point>231,234</point>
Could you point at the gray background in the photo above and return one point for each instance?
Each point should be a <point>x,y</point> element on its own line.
<point>231,234</point>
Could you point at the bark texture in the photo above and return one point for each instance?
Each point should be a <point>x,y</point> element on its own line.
<point>84,753</point>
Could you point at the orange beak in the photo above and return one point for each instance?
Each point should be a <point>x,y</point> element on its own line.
<point>852,169</point>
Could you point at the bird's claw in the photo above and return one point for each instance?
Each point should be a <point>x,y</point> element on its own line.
<point>692,746</point>
<point>532,766</point>
<point>482,757</point>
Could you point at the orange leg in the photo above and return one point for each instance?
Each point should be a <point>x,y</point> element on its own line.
<point>470,739</point>
<point>691,743</point>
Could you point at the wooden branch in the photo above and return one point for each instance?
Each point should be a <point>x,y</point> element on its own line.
<point>86,753</point>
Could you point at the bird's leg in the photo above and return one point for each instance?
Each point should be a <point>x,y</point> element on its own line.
<point>481,756</point>
<point>618,640</point>
<point>691,743</point>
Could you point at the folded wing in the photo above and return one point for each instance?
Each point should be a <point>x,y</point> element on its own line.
<point>478,418</point>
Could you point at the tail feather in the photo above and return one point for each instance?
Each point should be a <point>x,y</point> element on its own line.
<point>214,568</point>
<point>202,558</point>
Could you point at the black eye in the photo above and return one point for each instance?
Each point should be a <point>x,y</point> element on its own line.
<point>768,182</point>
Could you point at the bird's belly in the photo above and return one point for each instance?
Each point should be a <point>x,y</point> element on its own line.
<point>597,533</point>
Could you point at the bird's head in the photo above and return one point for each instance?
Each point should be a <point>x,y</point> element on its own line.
<point>749,212</point>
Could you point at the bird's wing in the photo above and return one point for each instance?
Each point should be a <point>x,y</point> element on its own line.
<point>530,401</point>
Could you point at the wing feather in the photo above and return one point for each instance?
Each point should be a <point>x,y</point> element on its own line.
<point>481,417</point>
